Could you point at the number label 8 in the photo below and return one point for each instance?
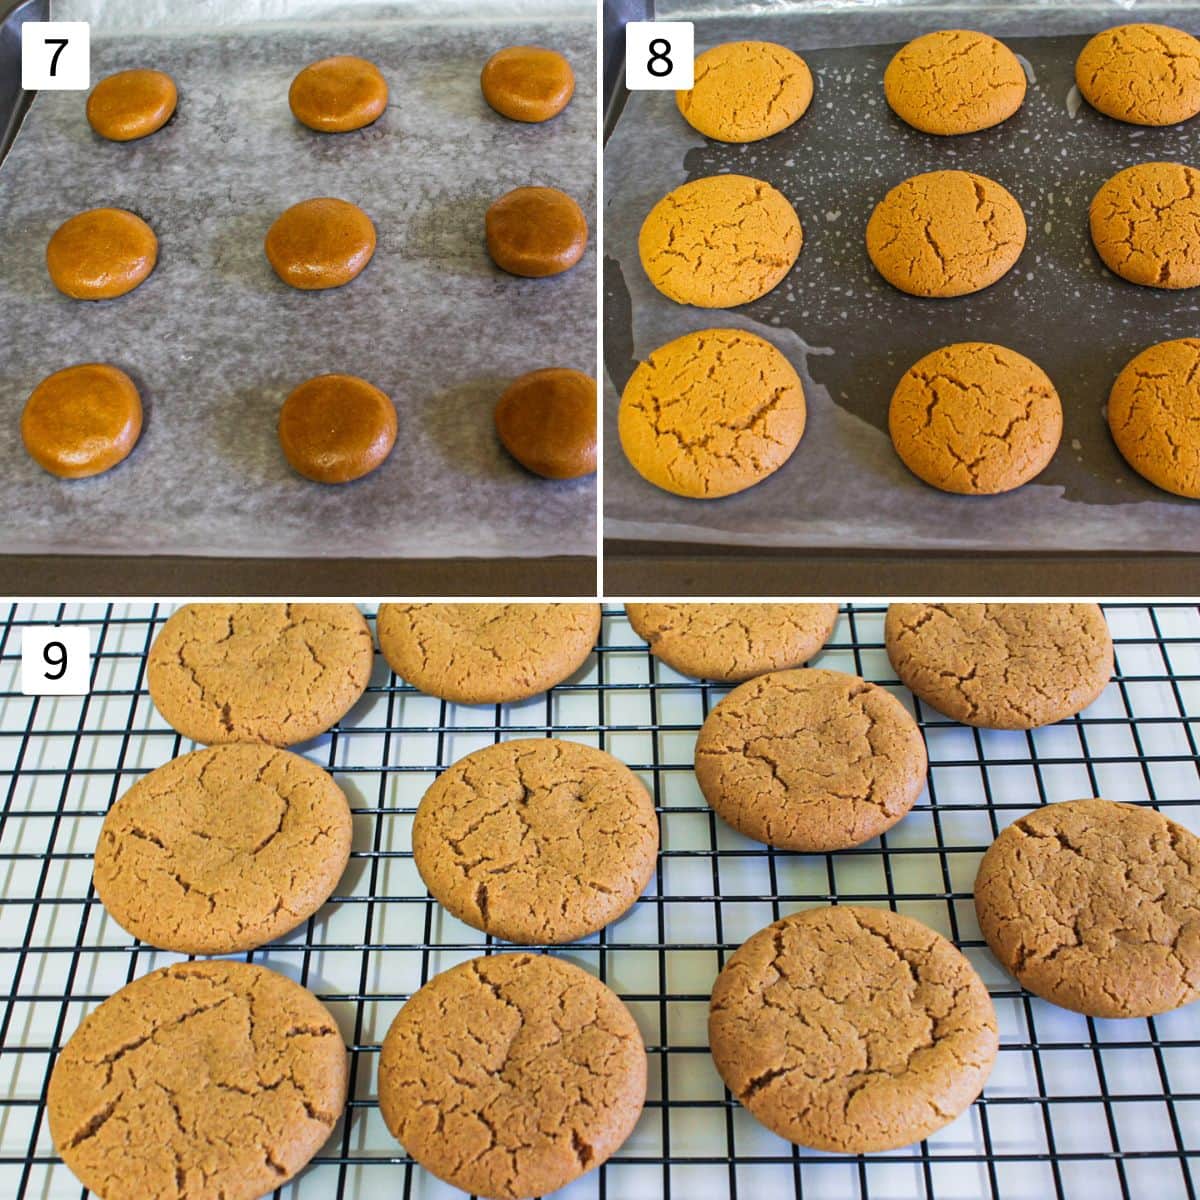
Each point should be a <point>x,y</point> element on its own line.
<point>658,55</point>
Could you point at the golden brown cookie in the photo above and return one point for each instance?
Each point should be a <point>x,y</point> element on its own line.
<point>336,428</point>
<point>1143,74</point>
<point>720,241</point>
<point>1001,666</point>
<point>711,413</point>
<point>746,91</point>
<point>336,95</point>
<point>527,83</point>
<point>852,1029</point>
<point>547,422</point>
<point>273,673</point>
<point>975,418</point>
<point>945,233</point>
<point>511,1075</point>
<point>321,243</point>
<point>82,420</point>
<point>131,104</point>
<point>101,254</point>
<point>1095,906</point>
<point>535,232</point>
<point>200,1079</point>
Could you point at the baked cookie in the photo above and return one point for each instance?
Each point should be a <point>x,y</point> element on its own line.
<point>336,95</point>
<point>954,81</point>
<point>746,91</point>
<point>486,653</point>
<point>1001,666</point>
<point>975,418</point>
<point>1143,74</point>
<point>733,642</point>
<point>223,849</point>
<point>82,420</point>
<point>536,840</point>
<point>711,413</point>
<point>321,243</point>
<point>527,83</point>
<point>945,233</point>
<point>131,104</point>
<point>852,1029</point>
<point>810,760</point>
<point>1144,222</point>
<point>101,254</point>
<point>1152,412</point>
<point>200,1079</point>
<point>720,241</point>
<point>547,422</point>
<point>535,232</point>
<point>336,428</point>
<point>511,1075</point>
<point>1095,906</point>
<point>273,673</point>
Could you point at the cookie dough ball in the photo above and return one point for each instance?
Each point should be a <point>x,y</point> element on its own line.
<point>1095,906</point>
<point>1143,74</point>
<point>547,422</point>
<point>82,420</point>
<point>527,83</point>
<point>720,241</point>
<point>852,1029</point>
<point>975,418</point>
<point>101,254</point>
<point>945,233</point>
<point>320,243</point>
<point>1144,224</point>
<point>954,81</point>
<point>746,91</point>
<point>711,413</point>
<point>336,428</point>
<point>131,104</point>
<point>336,95</point>
<point>535,232</point>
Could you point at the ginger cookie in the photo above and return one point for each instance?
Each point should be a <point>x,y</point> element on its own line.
<point>101,254</point>
<point>336,428</point>
<point>810,760</point>
<point>719,241</point>
<point>321,243</point>
<point>1143,74</point>
<point>536,840</point>
<point>339,94</point>
<point>535,232</point>
<point>486,653</point>
<point>852,1029</point>
<point>1144,221</point>
<point>200,1079</point>
<point>547,422</point>
<point>746,91</point>
<point>733,642</point>
<point>527,83</point>
<point>223,850</point>
<point>954,81</point>
<point>131,104</point>
<point>511,1075</point>
<point>1095,906</point>
<point>1001,666</point>
<point>945,233</point>
<point>273,673</point>
<point>711,413</point>
<point>975,418</point>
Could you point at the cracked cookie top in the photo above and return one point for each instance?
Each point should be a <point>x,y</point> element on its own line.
<point>1001,666</point>
<point>852,1029</point>
<point>1095,906</point>
<point>222,850</point>
<point>202,1079</point>
<point>1143,74</point>
<point>810,760</point>
<point>511,1075</point>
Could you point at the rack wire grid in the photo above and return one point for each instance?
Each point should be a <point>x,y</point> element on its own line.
<point>1075,1107</point>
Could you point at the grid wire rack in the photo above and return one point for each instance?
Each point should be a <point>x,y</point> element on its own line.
<point>1075,1107</point>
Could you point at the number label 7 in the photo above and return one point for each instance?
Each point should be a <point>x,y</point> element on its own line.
<point>55,56</point>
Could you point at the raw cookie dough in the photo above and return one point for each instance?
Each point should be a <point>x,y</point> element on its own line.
<point>321,243</point>
<point>1001,666</point>
<point>336,95</point>
<point>746,91</point>
<point>1143,74</point>
<point>101,254</point>
<point>1095,906</point>
<point>511,1075</point>
<point>486,653</point>
<point>535,232</point>
<point>336,428</point>
<point>274,673</point>
<point>82,420</point>
<point>200,1079</point>
<point>547,422</point>
<point>975,418</point>
<point>1144,224</point>
<point>527,83</point>
<point>711,413</point>
<point>852,1029</point>
<point>223,850</point>
<point>733,642</point>
<point>719,241</point>
<point>945,233</point>
<point>536,840</point>
<point>131,104</point>
<point>954,81</point>
<point>810,760</point>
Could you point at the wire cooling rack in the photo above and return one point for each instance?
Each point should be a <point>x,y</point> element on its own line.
<point>1075,1107</point>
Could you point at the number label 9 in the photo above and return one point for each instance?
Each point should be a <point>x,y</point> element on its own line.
<point>56,660</point>
<point>56,56</point>
<point>659,55</point>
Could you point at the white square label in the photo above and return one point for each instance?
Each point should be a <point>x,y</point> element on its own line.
<point>56,56</point>
<point>659,56</point>
<point>56,660</point>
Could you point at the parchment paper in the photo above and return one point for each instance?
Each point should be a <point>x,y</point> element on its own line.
<point>215,341</point>
<point>852,336</point>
